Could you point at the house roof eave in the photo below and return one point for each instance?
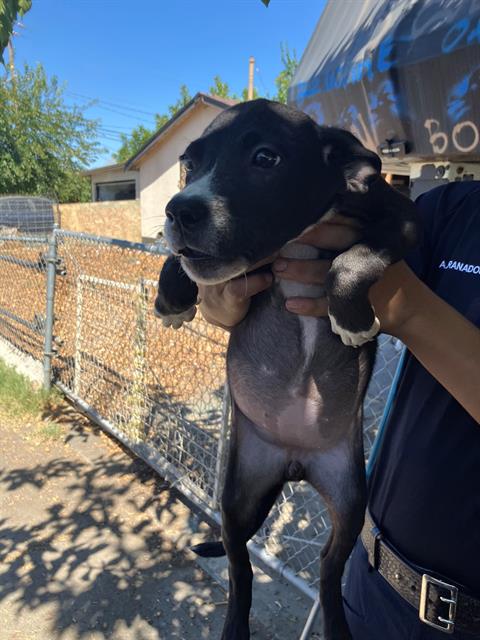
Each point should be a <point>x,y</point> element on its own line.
<point>199,98</point>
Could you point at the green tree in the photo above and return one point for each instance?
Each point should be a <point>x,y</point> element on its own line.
<point>10,10</point>
<point>220,88</point>
<point>184,99</point>
<point>245,94</point>
<point>133,142</point>
<point>44,143</point>
<point>284,78</point>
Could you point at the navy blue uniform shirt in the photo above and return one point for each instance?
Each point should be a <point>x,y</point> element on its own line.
<point>424,491</point>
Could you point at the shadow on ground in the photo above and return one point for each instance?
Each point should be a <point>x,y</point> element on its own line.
<point>92,545</point>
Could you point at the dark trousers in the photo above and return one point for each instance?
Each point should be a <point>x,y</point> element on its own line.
<point>376,612</point>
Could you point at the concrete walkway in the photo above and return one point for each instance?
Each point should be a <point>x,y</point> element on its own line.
<point>93,545</point>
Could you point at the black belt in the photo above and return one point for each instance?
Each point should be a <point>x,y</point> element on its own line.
<point>439,604</point>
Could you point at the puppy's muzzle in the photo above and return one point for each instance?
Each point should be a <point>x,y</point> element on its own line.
<point>186,212</point>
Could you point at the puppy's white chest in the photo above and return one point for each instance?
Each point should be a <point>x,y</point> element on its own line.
<point>292,289</point>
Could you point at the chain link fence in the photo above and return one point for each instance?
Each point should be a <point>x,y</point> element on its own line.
<point>30,216</point>
<point>158,388</point>
<point>23,292</point>
<point>160,391</point>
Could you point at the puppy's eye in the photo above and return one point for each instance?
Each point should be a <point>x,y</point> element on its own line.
<point>266,159</point>
<point>187,164</point>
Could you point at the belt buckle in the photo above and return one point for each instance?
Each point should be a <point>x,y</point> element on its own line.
<point>374,550</point>
<point>447,625</point>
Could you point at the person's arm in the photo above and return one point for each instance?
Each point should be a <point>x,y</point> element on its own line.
<point>445,342</point>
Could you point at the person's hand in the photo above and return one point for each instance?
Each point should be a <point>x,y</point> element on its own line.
<point>394,296</point>
<point>338,234</point>
<point>226,304</point>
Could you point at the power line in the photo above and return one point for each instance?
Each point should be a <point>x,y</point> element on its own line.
<point>125,115</point>
<point>110,135</point>
<point>112,132</point>
<point>113,104</point>
<point>115,126</point>
<point>107,136</point>
<point>257,69</point>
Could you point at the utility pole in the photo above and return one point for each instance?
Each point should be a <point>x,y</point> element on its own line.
<point>251,68</point>
<point>11,51</point>
<point>11,60</point>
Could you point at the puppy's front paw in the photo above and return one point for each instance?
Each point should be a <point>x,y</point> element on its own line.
<point>176,296</point>
<point>176,320</point>
<point>352,338</point>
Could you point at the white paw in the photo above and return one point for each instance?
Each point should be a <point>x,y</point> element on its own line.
<point>176,320</point>
<point>352,339</point>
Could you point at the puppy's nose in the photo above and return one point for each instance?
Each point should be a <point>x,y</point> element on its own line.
<point>186,212</point>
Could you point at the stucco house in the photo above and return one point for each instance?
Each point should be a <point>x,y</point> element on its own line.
<point>157,165</point>
<point>151,177</point>
<point>113,183</point>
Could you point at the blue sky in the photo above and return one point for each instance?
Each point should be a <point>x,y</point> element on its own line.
<point>137,54</point>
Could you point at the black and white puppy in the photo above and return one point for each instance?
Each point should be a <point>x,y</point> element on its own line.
<point>259,176</point>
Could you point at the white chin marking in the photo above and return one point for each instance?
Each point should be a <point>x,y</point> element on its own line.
<point>352,339</point>
<point>217,276</point>
<point>176,321</point>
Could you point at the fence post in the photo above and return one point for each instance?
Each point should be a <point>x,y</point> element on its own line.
<point>51,261</point>
<point>77,362</point>
<point>135,401</point>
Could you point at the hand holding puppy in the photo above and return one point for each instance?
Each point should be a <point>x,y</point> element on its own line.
<point>226,304</point>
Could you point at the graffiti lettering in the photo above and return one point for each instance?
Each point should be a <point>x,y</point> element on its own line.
<point>433,19</point>
<point>436,136</point>
<point>447,25</point>
<point>454,35</point>
<point>385,50</point>
<point>440,140</point>
<point>475,34</point>
<point>475,136</point>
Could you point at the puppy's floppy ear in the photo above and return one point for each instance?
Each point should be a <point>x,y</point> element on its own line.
<point>362,170</point>
<point>359,165</point>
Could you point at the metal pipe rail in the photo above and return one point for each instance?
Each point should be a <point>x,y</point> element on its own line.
<point>39,265</point>
<point>154,248</point>
<point>38,328</point>
<point>25,239</point>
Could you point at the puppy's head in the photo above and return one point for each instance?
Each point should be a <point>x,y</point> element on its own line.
<point>259,175</point>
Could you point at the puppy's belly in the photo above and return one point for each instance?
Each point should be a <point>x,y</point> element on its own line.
<point>293,420</point>
<point>295,396</point>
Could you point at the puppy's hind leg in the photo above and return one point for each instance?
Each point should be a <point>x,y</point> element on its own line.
<point>254,478</point>
<point>339,477</point>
